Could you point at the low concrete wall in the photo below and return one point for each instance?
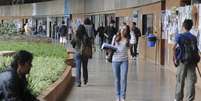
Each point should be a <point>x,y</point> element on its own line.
<point>56,91</point>
<point>62,86</point>
<point>7,53</point>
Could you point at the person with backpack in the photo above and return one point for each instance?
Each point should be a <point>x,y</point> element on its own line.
<point>13,81</point>
<point>186,57</point>
<point>90,29</point>
<point>79,42</point>
<point>63,31</point>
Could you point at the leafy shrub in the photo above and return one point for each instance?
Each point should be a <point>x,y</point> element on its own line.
<point>8,28</point>
<point>44,72</point>
<point>39,49</point>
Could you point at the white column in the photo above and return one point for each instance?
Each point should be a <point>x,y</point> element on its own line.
<point>48,24</point>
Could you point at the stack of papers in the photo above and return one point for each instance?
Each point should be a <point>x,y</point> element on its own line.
<point>108,46</point>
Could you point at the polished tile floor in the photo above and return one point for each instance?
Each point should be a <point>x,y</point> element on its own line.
<point>146,82</point>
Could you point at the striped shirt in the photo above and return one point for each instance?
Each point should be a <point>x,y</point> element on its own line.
<point>122,51</point>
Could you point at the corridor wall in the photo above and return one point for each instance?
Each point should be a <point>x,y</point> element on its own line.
<point>169,46</point>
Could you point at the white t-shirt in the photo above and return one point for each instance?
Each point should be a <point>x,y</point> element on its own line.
<point>133,38</point>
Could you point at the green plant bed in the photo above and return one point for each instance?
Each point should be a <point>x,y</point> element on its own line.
<point>48,63</point>
<point>39,49</point>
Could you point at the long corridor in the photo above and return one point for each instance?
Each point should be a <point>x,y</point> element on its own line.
<point>146,82</point>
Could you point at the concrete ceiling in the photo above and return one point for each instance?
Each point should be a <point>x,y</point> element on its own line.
<point>11,2</point>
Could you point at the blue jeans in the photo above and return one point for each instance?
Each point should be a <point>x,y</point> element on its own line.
<point>84,61</point>
<point>120,70</point>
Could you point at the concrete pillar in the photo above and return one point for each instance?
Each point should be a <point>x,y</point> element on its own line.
<point>48,24</point>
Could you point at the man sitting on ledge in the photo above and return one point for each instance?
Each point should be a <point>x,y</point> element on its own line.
<point>13,83</point>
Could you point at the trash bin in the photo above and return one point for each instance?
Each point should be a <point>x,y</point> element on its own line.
<point>151,42</point>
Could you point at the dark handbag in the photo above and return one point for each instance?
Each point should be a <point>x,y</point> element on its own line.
<point>73,43</point>
<point>111,53</point>
<point>110,56</point>
<point>87,52</point>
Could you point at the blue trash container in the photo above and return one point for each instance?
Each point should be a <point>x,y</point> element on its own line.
<point>151,42</point>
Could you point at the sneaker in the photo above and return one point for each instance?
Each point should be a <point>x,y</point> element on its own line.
<point>78,85</point>
<point>106,57</point>
<point>85,82</point>
<point>134,58</point>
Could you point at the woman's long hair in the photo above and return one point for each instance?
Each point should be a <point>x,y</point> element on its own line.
<point>81,32</point>
<point>118,37</point>
<point>125,31</point>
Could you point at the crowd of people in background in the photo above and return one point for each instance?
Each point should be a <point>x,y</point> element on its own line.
<point>82,39</point>
<point>125,39</point>
<point>62,32</point>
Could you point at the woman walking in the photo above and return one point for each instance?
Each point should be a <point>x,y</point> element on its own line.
<point>120,63</point>
<point>79,42</point>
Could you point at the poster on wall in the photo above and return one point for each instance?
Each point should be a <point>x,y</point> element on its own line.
<point>164,23</point>
<point>172,27</point>
<point>125,19</point>
<point>172,22</point>
<point>136,17</point>
<point>184,13</point>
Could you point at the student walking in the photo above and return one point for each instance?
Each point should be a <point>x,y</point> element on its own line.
<point>80,41</point>
<point>135,34</point>
<point>63,31</point>
<point>186,57</point>
<point>120,63</point>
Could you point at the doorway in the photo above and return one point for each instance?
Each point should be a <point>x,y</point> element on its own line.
<point>147,24</point>
<point>147,28</point>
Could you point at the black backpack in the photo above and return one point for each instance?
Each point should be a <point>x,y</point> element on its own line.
<point>189,50</point>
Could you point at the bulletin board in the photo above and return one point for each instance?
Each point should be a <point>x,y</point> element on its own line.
<point>172,22</point>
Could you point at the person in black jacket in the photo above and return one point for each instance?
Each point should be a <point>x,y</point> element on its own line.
<point>80,41</point>
<point>137,34</point>
<point>100,32</point>
<point>13,83</point>
<point>110,31</point>
<point>63,31</point>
